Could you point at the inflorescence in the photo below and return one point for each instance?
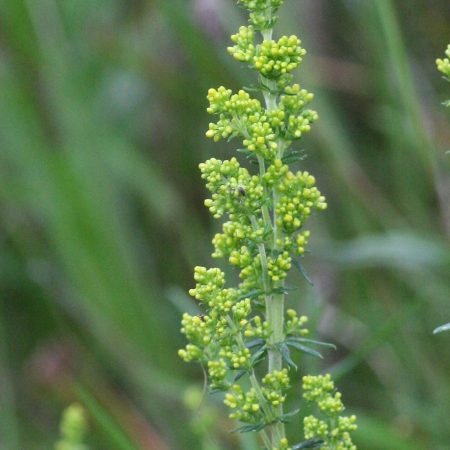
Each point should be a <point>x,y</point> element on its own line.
<point>443,65</point>
<point>73,429</point>
<point>263,237</point>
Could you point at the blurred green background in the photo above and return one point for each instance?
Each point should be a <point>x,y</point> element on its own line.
<point>102,121</point>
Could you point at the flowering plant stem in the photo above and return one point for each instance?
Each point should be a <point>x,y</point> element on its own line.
<point>263,237</point>
<point>275,303</point>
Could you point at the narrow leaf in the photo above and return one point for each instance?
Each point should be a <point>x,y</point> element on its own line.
<point>302,271</point>
<point>283,349</point>
<point>258,356</point>
<point>258,342</point>
<point>249,428</point>
<point>285,418</point>
<point>311,443</point>
<point>252,88</point>
<point>239,375</point>
<point>304,349</point>
<point>311,341</point>
<point>251,295</point>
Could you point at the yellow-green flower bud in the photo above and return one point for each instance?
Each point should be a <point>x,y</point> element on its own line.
<point>73,429</point>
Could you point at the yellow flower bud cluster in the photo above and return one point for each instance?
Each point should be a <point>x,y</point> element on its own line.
<point>222,101</point>
<point>283,445</point>
<point>273,59</point>
<point>250,266</point>
<point>258,10</point>
<point>73,429</point>
<point>295,325</point>
<point>302,241</point>
<point>275,172</point>
<point>244,50</point>
<point>279,58</point>
<point>240,359</point>
<point>240,115</point>
<point>262,5</point>
<point>295,98</point>
<point>212,337</point>
<point>234,111</point>
<point>256,328</point>
<point>196,328</point>
<point>297,126</point>
<point>443,64</point>
<point>233,236</point>
<point>261,137</point>
<point>234,190</point>
<point>334,429</point>
<point>209,281</point>
<point>190,353</point>
<point>279,267</point>
<point>241,257</point>
<point>275,384</point>
<point>250,276</point>
<point>245,405</point>
<point>298,198</point>
<point>209,291</point>
<point>217,371</point>
<point>238,243</point>
<point>241,310</point>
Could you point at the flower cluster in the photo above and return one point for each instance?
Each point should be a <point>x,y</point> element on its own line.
<point>234,190</point>
<point>261,12</point>
<point>335,429</point>
<point>263,235</point>
<point>443,65</point>
<point>73,429</point>
<point>262,132</point>
<point>279,58</point>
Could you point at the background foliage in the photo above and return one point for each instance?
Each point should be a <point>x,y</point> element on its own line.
<point>102,116</point>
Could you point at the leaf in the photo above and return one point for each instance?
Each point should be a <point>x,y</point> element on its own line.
<point>239,375</point>
<point>249,428</point>
<point>293,156</point>
<point>293,159</point>
<point>248,154</point>
<point>103,418</point>
<point>251,295</point>
<point>283,349</point>
<point>267,231</point>
<point>252,88</point>
<point>311,341</point>
<point>232,136</point>
<point>258,356</point>
<point>285,418</point>
<point>217,389</point>
<point>442,328</point>
<point>258,342</point>
<point>304,349</point>
<point>311,443</point>
<point>303,271</point>
<point>283,290</point>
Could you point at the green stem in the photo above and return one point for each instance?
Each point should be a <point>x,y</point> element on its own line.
<point>264,208</point>
<point>274,304</point>
<point>265,406</point>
